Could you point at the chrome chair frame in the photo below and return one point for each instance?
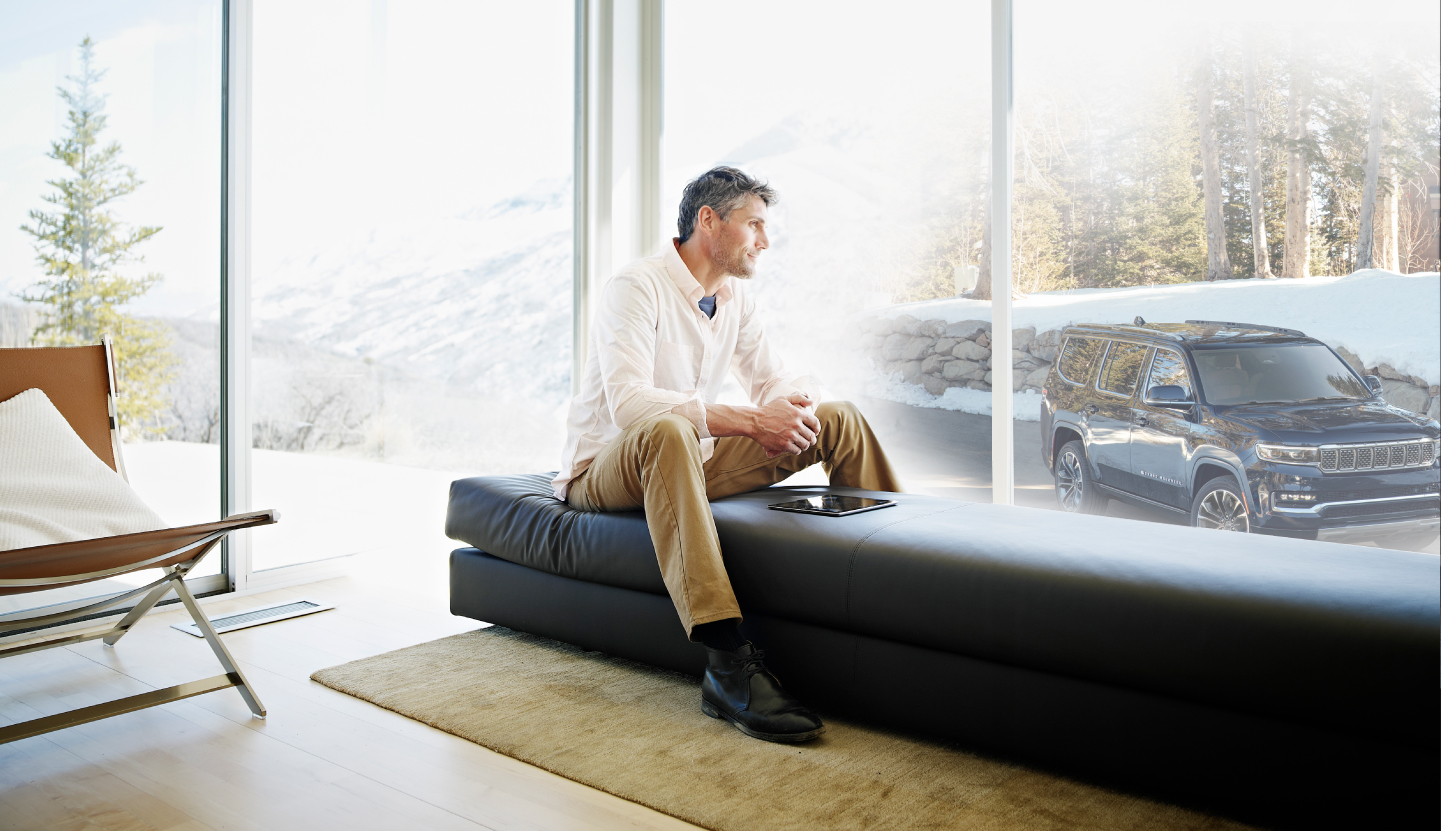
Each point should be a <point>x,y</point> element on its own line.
<point>43,567</point>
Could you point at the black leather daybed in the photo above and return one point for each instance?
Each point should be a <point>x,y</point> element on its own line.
<point>1283,682</point>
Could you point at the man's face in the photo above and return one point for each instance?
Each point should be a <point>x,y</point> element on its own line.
<point>740,239</point>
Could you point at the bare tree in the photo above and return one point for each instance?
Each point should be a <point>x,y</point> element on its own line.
<point>1253,162</point>
<point>1366,238</point>
<point>1218,262</point>
<point>1415,228</point>
<point>1296,259</point>
<point>983,275</point>
<point>1386,252</point>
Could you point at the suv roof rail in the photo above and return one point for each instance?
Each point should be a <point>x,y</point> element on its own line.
<point>1230,325</point>
<point>1113,327</point>
<point>1145,327</point>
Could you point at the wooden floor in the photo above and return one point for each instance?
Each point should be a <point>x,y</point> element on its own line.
<point>320,760</point>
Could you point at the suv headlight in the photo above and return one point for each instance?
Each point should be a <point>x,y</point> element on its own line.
<point>1290,455</point>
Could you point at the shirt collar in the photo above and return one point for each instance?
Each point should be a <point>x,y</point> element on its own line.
<point>690,288</point>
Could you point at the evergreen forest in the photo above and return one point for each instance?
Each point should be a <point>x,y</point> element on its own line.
<point>1251,152</point>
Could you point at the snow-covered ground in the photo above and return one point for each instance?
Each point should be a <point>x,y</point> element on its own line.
<point>329,507</point>
<point>480,301</point>
<point>1382,316</point>
<point>1026,406</point>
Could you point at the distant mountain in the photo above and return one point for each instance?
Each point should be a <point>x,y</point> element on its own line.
<point>482,300</point>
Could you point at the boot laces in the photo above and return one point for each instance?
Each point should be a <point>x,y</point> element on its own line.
<point>753,663</point>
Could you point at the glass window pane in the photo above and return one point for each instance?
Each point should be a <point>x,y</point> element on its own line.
<point>1288,374</point>
<point>873,128</point>
<point>412,277</point>
<point>147,86</point>
<point>1187,165</point>
<point>1169,369</point>
<point>1079,357</point>
<point>1123,367</point>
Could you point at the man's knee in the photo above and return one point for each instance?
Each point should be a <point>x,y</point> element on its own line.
<point>838,413</point>
<point>671,430</point>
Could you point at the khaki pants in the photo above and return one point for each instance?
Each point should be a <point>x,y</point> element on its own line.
<point>656,465</point>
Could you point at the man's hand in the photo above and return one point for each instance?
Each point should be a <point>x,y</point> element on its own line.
<point>787,425</point>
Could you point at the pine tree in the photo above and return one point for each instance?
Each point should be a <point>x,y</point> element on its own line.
<point>1296,262</point>
<point>1366,237</point>
<point>1218,260</point>
<point>1163,220</point>
<point>82,247</point>
<point>1256,190</point>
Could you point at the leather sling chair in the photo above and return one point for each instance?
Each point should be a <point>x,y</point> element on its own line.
<point>80,382</point>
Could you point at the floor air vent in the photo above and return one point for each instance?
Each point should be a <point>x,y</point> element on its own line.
<point>255,617</point>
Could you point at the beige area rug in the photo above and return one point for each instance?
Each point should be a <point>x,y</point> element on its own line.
<point>638,733</point>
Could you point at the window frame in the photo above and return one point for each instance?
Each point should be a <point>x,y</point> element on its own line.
<point>1060,371</point>
<point>1101,374</point>
<point>1185,366</point>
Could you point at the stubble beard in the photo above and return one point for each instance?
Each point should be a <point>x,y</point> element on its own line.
<point>736,263</point>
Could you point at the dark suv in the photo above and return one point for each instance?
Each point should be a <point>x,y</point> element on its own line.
<point>1241,427</point>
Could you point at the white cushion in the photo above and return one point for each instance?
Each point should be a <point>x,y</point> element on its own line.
<point>53,488</point>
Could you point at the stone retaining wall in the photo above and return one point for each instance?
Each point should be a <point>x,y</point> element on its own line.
<point>938,355</point>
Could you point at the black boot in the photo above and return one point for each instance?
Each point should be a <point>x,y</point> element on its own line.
<point>738,688</point>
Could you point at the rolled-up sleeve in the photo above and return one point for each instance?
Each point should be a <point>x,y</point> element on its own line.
<point>625,335</point>
<point>694,409</point>
<point>758,367</point>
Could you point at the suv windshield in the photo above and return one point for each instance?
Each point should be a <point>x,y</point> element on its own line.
<point>1287,374</point>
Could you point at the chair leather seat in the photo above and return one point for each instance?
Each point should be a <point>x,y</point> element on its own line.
<point>1317,632</point>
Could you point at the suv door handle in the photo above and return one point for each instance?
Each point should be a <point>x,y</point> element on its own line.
<point>1141,419</point>
<point>1091,409</point>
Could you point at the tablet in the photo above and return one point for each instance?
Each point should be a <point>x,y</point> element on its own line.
<point>832,505</point>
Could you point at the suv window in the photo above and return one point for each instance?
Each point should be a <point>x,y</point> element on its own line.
<point>1123,368</point>
<point>1168,368</point>
<point>1286,374</point>
<point>1078,358</point>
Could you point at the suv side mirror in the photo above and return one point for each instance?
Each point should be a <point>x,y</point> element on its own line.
<point>1374,383</point>
<point>1168,395</point>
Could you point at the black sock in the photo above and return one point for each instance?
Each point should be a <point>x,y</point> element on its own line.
<point>724,635</point>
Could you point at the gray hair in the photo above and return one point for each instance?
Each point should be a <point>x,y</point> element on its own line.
<point>723,189</point>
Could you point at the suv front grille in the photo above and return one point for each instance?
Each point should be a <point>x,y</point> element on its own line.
<point>1323,497</point>
<point>1375,508</point>
<point>1371,510</point>
<point>1391,455</point>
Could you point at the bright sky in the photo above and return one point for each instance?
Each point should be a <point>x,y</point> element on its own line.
<point>163,81</point>
<point>409,111</point>
<point>728,80</point>
<point>371,113</point>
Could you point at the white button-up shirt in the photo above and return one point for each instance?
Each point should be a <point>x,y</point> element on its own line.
<point>653,351</point>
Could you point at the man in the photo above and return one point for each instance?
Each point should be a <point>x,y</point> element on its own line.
<point>645,431</point>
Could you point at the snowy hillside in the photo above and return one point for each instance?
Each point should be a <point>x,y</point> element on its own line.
<point>480,301</point>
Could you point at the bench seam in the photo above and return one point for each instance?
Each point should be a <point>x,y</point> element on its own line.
<point>850,575</point>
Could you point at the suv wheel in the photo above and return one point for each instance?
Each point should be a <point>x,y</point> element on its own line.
<point>1074,490</point>
<point>1220,505</point>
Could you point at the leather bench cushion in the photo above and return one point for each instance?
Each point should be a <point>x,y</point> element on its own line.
<point>515,518</point>
<point>1322,632</point>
